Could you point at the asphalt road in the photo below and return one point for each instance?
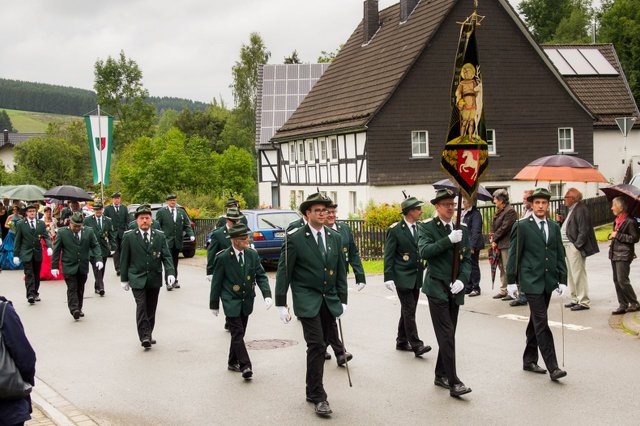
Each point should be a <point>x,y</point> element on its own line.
<point>98,364</point>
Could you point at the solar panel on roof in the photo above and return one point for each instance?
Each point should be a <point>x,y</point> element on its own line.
<point>559,62</point>
<point>578,62</point>
<point>598,61</point>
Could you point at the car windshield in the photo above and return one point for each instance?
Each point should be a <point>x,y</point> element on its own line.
<point>276,220</point>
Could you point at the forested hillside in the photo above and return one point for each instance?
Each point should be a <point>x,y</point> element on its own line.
<point>40,97</point>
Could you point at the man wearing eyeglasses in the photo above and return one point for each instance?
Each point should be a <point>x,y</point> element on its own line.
<point>403,270</point>
<point>436,241</point>
<point>311,263</point>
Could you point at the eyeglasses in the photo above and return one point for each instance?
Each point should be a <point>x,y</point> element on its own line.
<point>331,212</point>
<point>320,211</point>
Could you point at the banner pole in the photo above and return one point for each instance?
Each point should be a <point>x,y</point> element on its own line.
<point>101,169</point>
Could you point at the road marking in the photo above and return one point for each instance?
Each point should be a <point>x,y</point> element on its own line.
<point>555,324</point>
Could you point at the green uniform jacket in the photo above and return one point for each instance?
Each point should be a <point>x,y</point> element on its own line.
<point>133,225</point>
<point>534,265</point>
<point>219,241</point>
<point>234,286</point>
<point>174,231</point>
<point>435,247</point>
<point>75,254</point>
<point>141,264</point>
<point>27,243</point>
<point>106,235</point>
<point>402,265</point>
<point>312,279</point>
<point>222,221</point>
<point>120,219</point>
<point>298,223</point>
<point>350,252</point>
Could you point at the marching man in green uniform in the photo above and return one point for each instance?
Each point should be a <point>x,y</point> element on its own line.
<point>144,253</point>
<point>119,215</point>
<point>220,237</point>
<point>236,272</point>
<point>27,248</point>
<point>312,264</point>
<point>174,222</point>
<point>106,235</point>
<point>78,245</point>
<point>403,270</point>
<point>436,241</point>
<point>537,262</point>
<point>231,203</point>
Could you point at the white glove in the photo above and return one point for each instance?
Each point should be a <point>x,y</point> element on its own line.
<point>192,238</point>
<point>215,311</point>
<point>562,290</point>
<point>16,260</point>
<point>284,314</point>
<point>49,251</point>
<point>360,286</point>
<point>125,286</point>
<point>0,241</point>
<point>55,272</point>
<point>171,280</point>
<point>344,311</point>
<point>455,236</point>
<point>268,302</point>
<point>99,265</point>
<point>113,252</point>
<point>512,289</point>
<point>390,285</point>
<point>209,277</point>
<point>456,287</point>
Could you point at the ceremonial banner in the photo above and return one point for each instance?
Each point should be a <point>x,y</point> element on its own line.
<point>465,156</point>
<point>100,133</point>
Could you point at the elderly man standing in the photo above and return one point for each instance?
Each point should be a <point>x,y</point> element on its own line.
<point>580,242</point>
<point>501,226</point>
<point>403,270</point>
<point>174,222</point>
<point>537,262</point>
<point>77,245</point>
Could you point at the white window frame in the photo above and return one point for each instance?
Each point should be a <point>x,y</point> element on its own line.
<point>416,143</point>
<point>312,150</point>
<point>301,157</point>
<point>563,139</point>
<point>353,201</point>
<point>333,143</point>
<point>491,142</point>
<point>323,149</point>
<point>556,190</point>
<point>292,153</point>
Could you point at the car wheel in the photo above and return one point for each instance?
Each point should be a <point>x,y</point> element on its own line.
<point>187,253</point>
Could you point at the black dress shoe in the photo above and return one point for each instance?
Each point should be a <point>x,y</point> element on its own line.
<point>37,299</point>
<point>458,389</point>
<point>557,374</point>
<point>76,314</point>
<point>534,368</point>
<point>620,311</point>
<point>633,308</point>
<point>247,373</point>
<point>31,300</point>
<point>153,341</point>
<point>176,285</point>
<point>146,343</point>
<point>169,287</point>
<point>517,302</point>
<point>570,305</point>
<point>443,382</point>
<point>340,359</point>
<point>101,292</point>
<point>422,349</point>
<point>327,356</point>
<point>404,347</point>
<point>234,367</point>
<point>579,308</point>
<point>474,293</point>
<point>322,408</point>
<point>499,296</point>
<point>118,273</point>
<point>81,314</point>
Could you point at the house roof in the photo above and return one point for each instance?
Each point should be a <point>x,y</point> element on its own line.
<point>17,138</point>
<point>607,96</point>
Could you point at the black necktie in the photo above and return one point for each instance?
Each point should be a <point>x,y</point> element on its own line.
<point>413,231</point>
<point>33,224</point>
<point>146,238</point>
<point>78,236</point>
<point>100,223</point>
<point>241,261</point>
<point>323,251</point>
<point>447,227</point>
<point>173,214</point>
<point>544,233</point>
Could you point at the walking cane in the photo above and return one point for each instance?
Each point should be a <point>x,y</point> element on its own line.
<point>346,362</point>
<point>562,323</point>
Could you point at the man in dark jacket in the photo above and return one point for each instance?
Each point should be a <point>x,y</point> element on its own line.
<point>17,411</point>
<point>472,217</point>
<point>501,226</point>
<point>106,235</point>
<point>579,241</point>
<point>119,215</point>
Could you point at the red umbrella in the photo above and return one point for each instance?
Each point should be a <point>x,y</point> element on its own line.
<point>630,193</point>
<point>567,168</point>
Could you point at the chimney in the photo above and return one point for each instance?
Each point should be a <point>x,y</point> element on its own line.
<point>371,21</point>
<point>406,7</point>
<point>6,136</point>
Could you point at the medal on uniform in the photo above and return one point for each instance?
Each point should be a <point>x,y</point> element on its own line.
<point>405,257</point>
<point>330,271</point>
<point>248,277</point>
<point>236,287</point>
<point>345,249</point>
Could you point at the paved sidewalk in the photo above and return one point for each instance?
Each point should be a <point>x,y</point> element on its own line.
<point>631,323</point>
<point>50,408</point>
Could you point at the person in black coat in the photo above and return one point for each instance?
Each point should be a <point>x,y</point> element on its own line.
<point>472,217</point>
<point>17,411</point>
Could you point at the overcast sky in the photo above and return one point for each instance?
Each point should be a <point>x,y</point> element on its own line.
<point>185,48</point>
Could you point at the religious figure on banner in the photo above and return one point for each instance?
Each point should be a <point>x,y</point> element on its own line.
<point>469,101</point>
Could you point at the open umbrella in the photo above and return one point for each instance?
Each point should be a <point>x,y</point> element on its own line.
<point>68,192</point>
<point>25,193</point>
<point>567,168</point>
<point>630,193</point>
<point>483,194</point>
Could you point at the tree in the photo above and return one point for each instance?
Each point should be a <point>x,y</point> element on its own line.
<point>620,25</point>
<point>5,122</point>
<point>119,91</point>
<point>245,78</point>
<point>543,16</point>
<point>234,171</point>
<point>168,118</point>
<point>327,57</point>
<point>293,59</point>
<point>575,27</point>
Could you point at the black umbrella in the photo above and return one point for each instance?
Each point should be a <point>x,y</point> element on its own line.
<point>630,193</point>
<point>483,194</point>
<point>68,192</point>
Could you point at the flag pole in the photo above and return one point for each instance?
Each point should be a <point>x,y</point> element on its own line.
<point>100,148</point>
<point>456,247</point>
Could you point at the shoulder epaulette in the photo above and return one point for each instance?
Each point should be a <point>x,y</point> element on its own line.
<point>159,230</point>
<point>463,224</point>
<point>129,230</point>
<point>427,220</point>
<point>292,231</point>
<point>394,224</point>
<point>220,251</point>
